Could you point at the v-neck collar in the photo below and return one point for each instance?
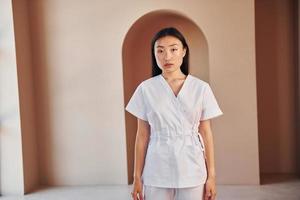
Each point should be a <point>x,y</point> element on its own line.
<point>168,87</point>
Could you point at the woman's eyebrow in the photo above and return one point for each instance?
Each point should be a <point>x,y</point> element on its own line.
<point>159,46</point>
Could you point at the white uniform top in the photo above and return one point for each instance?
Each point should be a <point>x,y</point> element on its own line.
<point>175,153</point>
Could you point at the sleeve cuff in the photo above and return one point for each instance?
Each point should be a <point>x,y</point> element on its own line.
<point>211,114</point>
<point>136,113</point>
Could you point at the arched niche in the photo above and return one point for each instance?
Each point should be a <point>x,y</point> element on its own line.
<point>136,57</point>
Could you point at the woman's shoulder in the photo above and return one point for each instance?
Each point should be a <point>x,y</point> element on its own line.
<point>150,81</point>
<point>197,81</point>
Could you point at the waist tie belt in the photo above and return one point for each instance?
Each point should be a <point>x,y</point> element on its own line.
<point>166,134</point>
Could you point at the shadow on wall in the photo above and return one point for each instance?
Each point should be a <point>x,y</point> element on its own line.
<point>136,57</point>
<point>42,100</point>
<point>277,70</point>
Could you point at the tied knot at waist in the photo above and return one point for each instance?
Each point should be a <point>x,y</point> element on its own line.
<point>167,133</point>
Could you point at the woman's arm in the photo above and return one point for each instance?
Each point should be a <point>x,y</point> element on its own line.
<point>141,144</point>
<point>206,133</point>
<point>210,185</point>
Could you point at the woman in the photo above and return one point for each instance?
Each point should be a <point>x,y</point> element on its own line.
<point>174,156</point>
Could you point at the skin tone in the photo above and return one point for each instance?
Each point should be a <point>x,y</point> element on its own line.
<point>169,53</point>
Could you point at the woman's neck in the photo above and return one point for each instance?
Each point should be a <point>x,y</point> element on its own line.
<point>173,75</point>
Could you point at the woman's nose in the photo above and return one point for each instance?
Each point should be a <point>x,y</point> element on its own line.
<point>168,55</point>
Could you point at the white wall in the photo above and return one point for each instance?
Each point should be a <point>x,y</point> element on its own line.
<point>11,166</point>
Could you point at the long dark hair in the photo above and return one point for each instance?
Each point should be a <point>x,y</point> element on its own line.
<point>170,31</point>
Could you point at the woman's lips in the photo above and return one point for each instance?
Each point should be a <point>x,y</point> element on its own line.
<point>168,64</point>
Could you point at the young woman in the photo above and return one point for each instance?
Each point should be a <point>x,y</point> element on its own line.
<point>174,155</point>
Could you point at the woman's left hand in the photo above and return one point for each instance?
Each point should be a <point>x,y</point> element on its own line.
<point>210,189</point>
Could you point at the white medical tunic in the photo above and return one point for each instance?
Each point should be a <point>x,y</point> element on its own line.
<point>175,155</point>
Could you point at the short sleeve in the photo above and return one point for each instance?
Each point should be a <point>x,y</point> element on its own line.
<point>136,105</point>
<point>210,107</point>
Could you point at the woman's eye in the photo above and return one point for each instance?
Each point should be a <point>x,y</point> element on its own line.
<point>159,51</point>
<point>174,49</point>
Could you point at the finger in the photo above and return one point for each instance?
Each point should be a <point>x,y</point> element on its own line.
<point>208,191</point>
<point>134,196</point>
<point>207,195</point>
<point>214,194</point>
<point>141,196</point>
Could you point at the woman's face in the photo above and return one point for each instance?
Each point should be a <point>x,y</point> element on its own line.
<point>169,53</point>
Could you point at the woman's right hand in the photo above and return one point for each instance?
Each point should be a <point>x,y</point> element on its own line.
<point>137,191</point>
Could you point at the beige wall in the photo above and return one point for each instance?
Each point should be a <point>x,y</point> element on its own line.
<point>276,52</point>
<point>77,71</point>
<point>75,66</point>
<point>81,137</point>
<point>11,166</point>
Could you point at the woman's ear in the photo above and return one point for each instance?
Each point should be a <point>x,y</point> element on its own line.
<point>184,51</point>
